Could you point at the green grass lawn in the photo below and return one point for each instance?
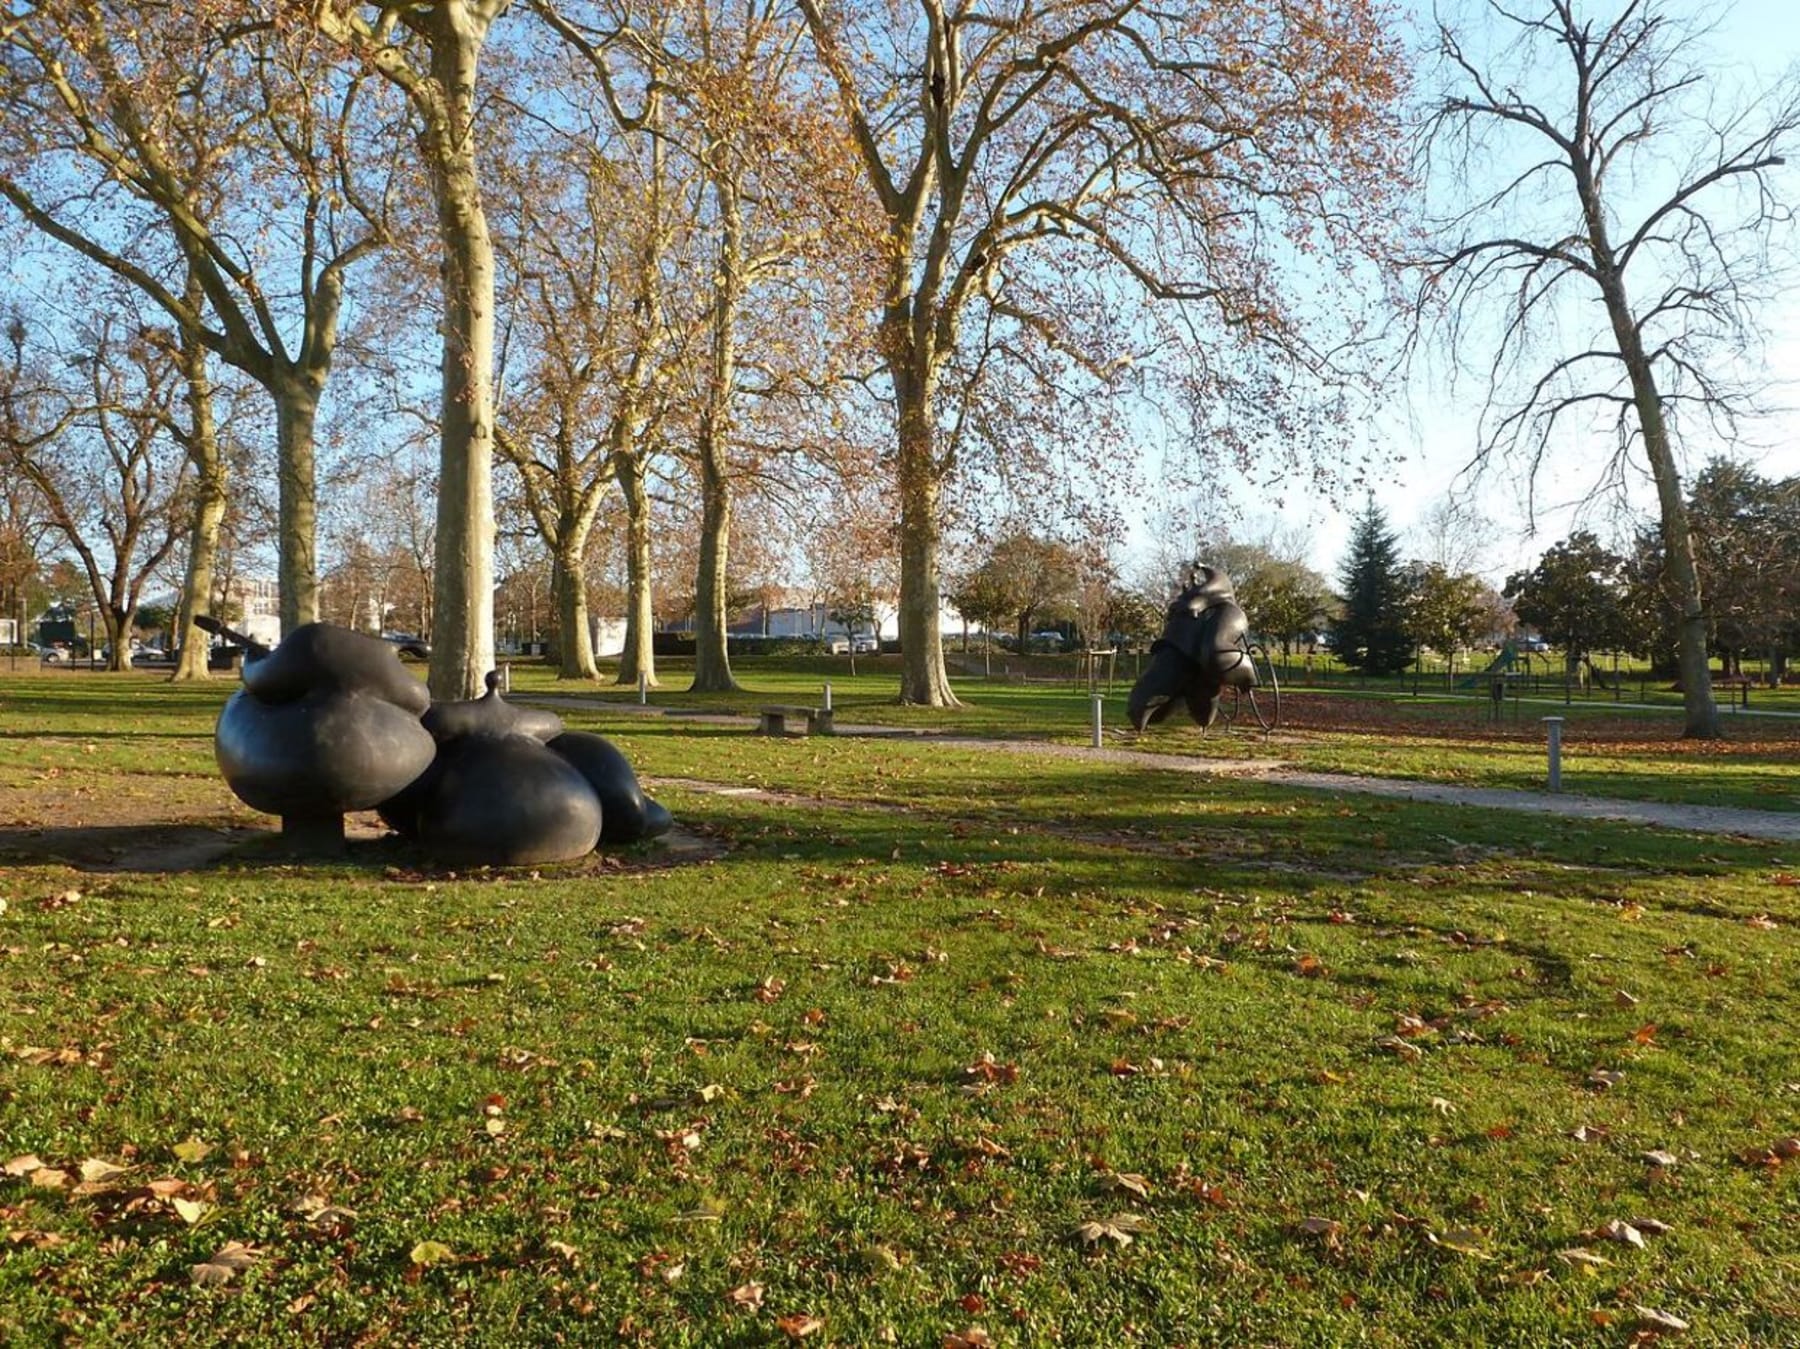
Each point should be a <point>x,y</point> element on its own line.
<point>1625,752</point>
<point>1338,1067</point>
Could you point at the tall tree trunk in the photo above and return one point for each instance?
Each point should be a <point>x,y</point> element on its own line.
<point>923,678</point>
<point>297,566</point>
<point>712,658</point>
<point>462,597</point>
<point>210,479</point>
<point>712,654</point>
<point>575,636</point>
<point>117,625</point>
<point>1700,711</point>
<point>639,656</point>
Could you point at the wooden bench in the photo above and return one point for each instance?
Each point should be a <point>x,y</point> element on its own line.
<point>774,720</point>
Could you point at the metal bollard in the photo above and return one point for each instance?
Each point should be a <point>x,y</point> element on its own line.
<point>828,695</point>
<point>506,678</point>
<point>643,688</point>
<point>1554,726</point>
<point>1099,704</point>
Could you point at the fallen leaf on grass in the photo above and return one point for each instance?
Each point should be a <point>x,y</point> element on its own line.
<point>425,1254</point>
<point>1663,1322</point>
<point>746,1296</point>
<point>1657,1157</point>
<point>1605,1078</point>
<point>1582,1258</point>
<point>987,1070</point>
<point>1119,1229</point>
<point>97,1171</point>
<point>50,1178</point>
<point>1462,1240</point>
<point>24,1165</point>
<point>228,1260</point>
<point>190,1211</point>
<point>969,1337</point>
<point>799,1325</point>
<point>1617,1230</point>
<point>191,1151</point>
<point>1406,1049</point>
<point>320,1211</point>
<point>1129,1181</point>
<point>1328,1228</point>
<point>1624,999</point>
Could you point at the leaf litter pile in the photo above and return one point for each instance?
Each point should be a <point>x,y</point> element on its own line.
<point>995,1067</point>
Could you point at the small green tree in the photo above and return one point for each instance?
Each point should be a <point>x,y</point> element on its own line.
<point>1574,597</point>
<point>1371,633</point>
<point>1446,611</point>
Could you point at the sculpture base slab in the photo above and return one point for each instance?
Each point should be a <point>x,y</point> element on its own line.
<point>313,835</point>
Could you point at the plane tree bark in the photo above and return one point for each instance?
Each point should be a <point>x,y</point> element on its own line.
<point>1605,169</point>
<point>432,53</point>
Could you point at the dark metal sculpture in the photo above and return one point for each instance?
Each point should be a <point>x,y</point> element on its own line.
<point>325,723</point>
<point>510,786</point>
<point>1204,650</point>
<point>330,722</point>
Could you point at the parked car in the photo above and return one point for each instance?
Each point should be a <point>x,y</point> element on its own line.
<point>408,645</point>
<point>837,646</point>
<point>865,644</point>
<point>1533,644</point>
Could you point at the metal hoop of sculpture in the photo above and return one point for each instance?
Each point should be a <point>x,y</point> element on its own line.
<point>330,722</point>
<point>1204,651</point>
<point>1262,699</point>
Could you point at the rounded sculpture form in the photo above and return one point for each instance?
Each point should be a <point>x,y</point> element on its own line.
<point>627,814</point>
<point>510,787</point>
<point>327,722</point>
<point>1203,650</point>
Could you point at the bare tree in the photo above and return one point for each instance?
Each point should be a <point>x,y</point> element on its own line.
<point>1180,153</point>
<point>155,141</point>
<point>111,476</point>
<point>594,275</point>
<point>1604,167</point>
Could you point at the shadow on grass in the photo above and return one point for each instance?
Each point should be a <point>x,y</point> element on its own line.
<point>162,849</point>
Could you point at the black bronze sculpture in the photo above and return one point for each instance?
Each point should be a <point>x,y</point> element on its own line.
<point>511,786</point>
<point>325,723</point>
<point>1204,650</point>
<point>330,722</point>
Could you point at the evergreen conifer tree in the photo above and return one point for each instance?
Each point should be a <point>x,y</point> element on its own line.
<point>1371,634</point>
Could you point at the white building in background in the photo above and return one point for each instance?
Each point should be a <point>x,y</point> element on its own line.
<point>256,602</point>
